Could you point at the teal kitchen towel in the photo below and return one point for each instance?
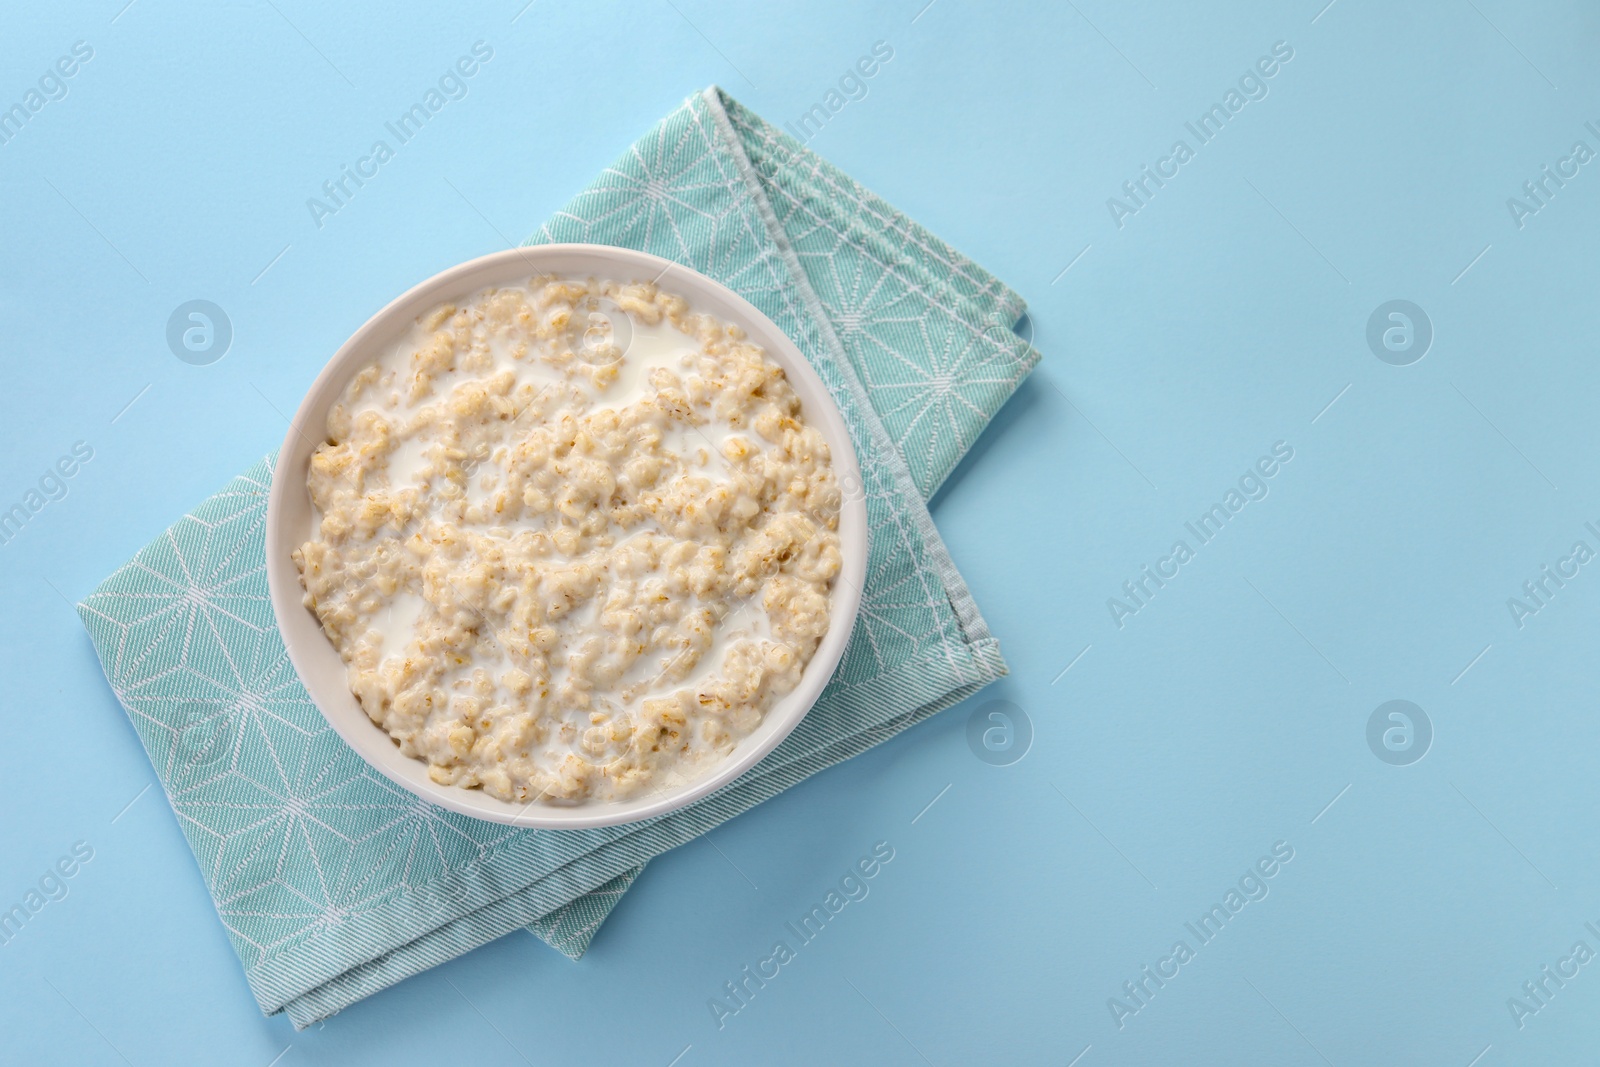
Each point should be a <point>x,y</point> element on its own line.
<point>333,883</point>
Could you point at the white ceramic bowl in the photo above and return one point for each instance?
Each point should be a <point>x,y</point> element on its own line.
<point>290,523</point>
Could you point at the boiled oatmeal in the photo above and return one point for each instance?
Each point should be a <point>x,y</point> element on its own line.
<point>573,540</point>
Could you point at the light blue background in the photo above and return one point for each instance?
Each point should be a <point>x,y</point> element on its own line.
<point>1220,319</point>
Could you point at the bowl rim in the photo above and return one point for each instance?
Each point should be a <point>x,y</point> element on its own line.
<point>302,633</point>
